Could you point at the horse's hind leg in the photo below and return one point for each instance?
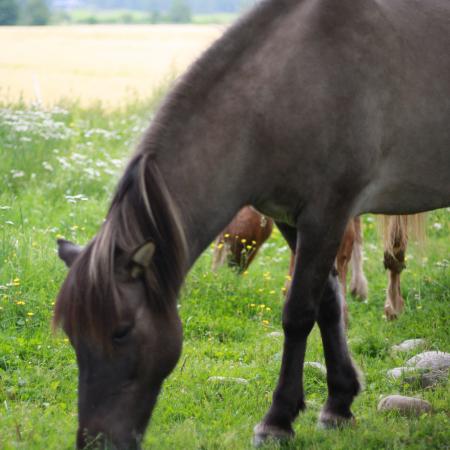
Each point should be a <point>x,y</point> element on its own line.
<point>394,261</point>
<point>358,283</point>
<point>315,255</point>
<point>342,259</point>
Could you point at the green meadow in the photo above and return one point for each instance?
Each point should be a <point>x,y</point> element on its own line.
<point>58,168</point>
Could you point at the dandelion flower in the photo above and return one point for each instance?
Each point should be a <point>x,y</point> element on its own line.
<point>30,314</point>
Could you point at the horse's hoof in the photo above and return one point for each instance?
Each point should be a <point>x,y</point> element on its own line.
<point>390,313</point>
<point>329,420</point>
<point>359,289</point>
<point>263,433</point>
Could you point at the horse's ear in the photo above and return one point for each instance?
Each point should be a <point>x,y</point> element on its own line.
<point>68,251</point>
<point>142,258</point>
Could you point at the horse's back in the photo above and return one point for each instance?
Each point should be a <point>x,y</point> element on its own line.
<point>358,94</point>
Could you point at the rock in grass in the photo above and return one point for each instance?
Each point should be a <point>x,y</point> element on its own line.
<point>318,366</point>
<point>404,405</point>
<point>430,360</point>
<point>424,377</point>
<point>433,377</point>
<point>408,345</point>
<point>399,372</point>
<point>275,334</point>
<point>227,380</point>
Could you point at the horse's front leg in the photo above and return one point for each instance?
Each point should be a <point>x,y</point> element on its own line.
<point>342,377</point>
<point>315,254</point>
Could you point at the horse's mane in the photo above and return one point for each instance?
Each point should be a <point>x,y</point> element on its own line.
<point>142,210</point>
<point>240,39</point>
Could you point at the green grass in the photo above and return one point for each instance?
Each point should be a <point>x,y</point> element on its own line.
<point>128,16</point>
<point>58,169</point>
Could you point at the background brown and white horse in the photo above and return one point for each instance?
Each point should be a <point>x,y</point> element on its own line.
<point>241,240</point>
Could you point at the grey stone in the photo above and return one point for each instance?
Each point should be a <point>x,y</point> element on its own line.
<point>228,380</point>
<point>275,334</point>
<point>430,360</point>
<point>398,372</point>
<point>316,365</point>
<point>424,377</point>
<point>408,345</point>
<point>404,405</point>
<point>433,377</point>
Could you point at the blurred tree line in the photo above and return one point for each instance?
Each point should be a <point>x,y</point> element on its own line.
<point>161,6</point>
<point>39,12</point>
<point>24,12</point>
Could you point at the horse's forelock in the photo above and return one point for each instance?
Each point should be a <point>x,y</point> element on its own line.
<point>142,209</point>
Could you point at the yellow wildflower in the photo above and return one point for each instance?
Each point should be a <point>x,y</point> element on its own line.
<point>30,314</point>
<point>243,241</point>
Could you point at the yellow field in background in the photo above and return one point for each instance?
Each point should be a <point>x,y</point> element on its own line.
<point>110,63</point>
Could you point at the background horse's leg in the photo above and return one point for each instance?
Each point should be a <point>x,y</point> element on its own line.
<point>221,250</point>
<point>342,259</point>
<point>394,261</point>
<point>358,283</point>
<point>314,259</point>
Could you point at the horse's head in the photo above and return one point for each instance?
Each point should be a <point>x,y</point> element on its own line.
<point>126,344</point>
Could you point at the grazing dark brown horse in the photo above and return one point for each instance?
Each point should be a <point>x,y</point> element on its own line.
<point>335,108</point>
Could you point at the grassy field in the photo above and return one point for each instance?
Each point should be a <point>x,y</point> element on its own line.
<point>103,63</point>
<point>80,16</point>
<point>58,168</point>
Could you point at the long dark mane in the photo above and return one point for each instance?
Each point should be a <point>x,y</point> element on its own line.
<point>142,210</point>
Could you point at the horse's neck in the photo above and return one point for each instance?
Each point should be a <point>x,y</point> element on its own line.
<point>201,135</point>
<point>204,175</point>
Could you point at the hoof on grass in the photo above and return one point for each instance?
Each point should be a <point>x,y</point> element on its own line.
<point>329,420</point>
<point>263,433</point>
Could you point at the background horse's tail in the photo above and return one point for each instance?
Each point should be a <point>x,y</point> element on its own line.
<point>397,230</point>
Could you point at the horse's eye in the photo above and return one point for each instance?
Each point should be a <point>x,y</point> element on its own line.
<point>122,333</point>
